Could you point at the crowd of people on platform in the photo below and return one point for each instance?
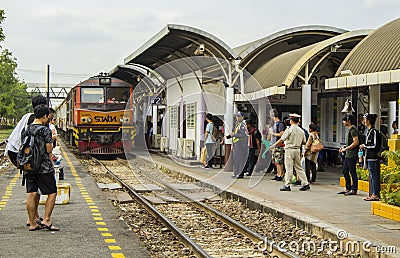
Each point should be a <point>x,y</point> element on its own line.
<point>285,140</point>
<point>290,148</point>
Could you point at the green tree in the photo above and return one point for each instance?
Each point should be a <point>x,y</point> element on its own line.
<point>14,99</point>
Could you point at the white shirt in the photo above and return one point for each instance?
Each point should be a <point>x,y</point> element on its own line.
<point>52,127</point>
<point>14,141</point>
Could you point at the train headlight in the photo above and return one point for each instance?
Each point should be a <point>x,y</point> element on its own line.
<point>121,120</point>
<point>126,120</point>
<point>86,119</point>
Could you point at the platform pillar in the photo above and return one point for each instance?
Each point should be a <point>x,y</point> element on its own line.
<point>228,127</point>
<point>306,106</point>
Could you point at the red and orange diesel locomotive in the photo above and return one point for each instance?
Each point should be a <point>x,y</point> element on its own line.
<point>97,116</point>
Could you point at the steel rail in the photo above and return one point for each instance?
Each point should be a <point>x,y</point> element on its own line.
<point>254,236</point>
<point>199,251</point>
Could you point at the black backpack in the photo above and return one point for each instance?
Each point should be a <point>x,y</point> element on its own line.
<point>29,158</point>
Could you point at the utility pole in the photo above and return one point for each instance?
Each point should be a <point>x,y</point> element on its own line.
<point>48,85</point>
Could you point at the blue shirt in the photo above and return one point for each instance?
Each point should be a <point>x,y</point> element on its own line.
<point>209,129</point>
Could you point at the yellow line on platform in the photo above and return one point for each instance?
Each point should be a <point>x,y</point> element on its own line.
<point>114,247</point>
<point>94,209</point>
<point>8,193</point>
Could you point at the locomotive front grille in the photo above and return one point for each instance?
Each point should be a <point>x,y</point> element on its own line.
<point>104,151</point>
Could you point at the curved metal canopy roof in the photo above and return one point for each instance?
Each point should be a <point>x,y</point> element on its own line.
<point>380,51</point>
<point>256,53</point>
<point>134,74</point>
<point>282,70</point>
<point>178,41</point>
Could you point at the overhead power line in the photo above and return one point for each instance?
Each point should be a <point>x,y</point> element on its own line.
<point>73,75</point>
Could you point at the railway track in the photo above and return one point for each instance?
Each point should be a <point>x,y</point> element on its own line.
<point>206,231</point>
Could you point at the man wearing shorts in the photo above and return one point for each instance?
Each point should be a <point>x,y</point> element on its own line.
<point>278,152</point>
<point>43,179</point>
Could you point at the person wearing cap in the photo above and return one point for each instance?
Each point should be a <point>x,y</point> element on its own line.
<point>350,157</point>
<point>240,146</point>
<point>294,138</point>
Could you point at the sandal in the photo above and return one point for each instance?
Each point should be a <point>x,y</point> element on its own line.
<point>50,227</point>
<point>350,193</point>
<point>343,192</point>
<point>371,199</point>
<point>36,228</point>
<point>37,221</point>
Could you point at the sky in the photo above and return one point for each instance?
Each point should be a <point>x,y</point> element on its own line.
<point>79,39</point>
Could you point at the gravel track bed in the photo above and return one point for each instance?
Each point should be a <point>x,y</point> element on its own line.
<point>226,242</point>
<point>218,239</point>
<point>271,227</point>
<point>158,239</point>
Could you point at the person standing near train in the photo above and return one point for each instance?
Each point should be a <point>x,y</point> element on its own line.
<point>372,146</point>
<point>294,138</point>
<point>43,179</point>
<point>240,146</point>
<point>14,143</point>
<point>209,140</point>
<point>350,158</point>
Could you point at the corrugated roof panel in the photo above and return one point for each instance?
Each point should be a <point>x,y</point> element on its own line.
<point>380,51</point>
<point>274,72</point>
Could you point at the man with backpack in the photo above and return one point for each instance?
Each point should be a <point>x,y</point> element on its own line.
<point>14,140</point>
<point>43,178</point>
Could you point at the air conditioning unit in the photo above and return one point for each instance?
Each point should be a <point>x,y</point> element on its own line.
<point>156,141</point>
<point>188,149</point>
<point>179,151</point>
<point>164,144</point>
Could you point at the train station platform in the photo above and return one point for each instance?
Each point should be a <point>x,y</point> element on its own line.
<point>320,210</point>
<point>89,224</point>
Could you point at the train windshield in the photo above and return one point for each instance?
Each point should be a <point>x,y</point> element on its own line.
<point>117,95</point>
<point>92,95</point>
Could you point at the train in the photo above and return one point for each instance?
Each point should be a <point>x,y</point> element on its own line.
<point>97,117</point>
